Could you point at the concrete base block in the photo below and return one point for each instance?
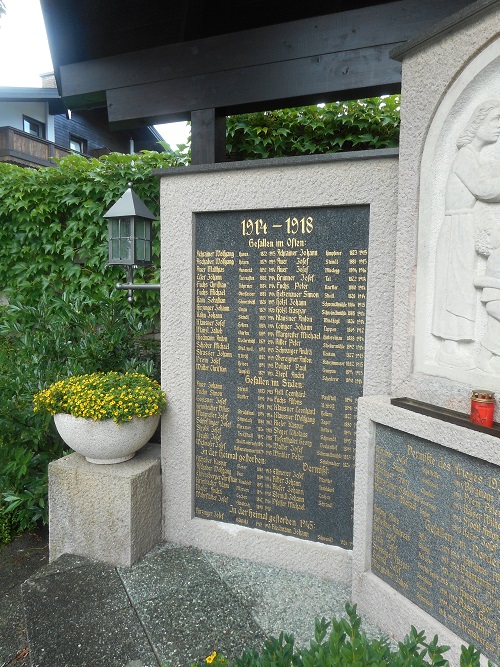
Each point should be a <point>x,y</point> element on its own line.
<point>111,513</point>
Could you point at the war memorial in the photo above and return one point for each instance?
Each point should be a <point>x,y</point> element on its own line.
<point>324,321</point>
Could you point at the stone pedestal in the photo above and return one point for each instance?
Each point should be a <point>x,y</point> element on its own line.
<point>110,513</point>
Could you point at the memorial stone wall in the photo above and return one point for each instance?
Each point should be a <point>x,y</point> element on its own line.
<point>436,533</point>
<point>427,505</point>
<point>277,295</point>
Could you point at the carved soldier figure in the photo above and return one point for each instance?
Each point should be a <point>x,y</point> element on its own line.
<point>471,179</point>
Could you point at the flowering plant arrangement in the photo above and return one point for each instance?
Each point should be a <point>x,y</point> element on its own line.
<point>214,659</point>
<point>99,396</point>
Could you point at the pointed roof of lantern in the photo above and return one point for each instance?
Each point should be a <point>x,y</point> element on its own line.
<point>129,204</point>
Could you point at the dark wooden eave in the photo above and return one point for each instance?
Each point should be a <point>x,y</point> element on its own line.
<point>338,55</point>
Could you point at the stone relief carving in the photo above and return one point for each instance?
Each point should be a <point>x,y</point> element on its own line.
<point>471,179</point>
<point>488,245</point>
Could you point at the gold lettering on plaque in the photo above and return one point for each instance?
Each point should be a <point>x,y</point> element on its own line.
<point>279,359</point>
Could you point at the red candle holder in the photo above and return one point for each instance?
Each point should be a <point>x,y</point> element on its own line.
<point>482,407</point>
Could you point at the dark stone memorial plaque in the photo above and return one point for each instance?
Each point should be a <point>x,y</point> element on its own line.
<point>280,324</point>
<point>436,533</point>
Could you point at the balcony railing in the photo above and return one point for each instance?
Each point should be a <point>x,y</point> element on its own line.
<point>21,148</point>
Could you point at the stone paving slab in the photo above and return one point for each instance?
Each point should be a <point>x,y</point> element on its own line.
<point>174,607</point>
<point>22,557</point>
<point>78,613</point>
<point>114,639</point>
<point>186,607</point>
<point>12,626</point>
<point>164,571</point>
<point>203,618</point>
<point>281,600</point>
<point>86,588</point>
<point>18,560</point>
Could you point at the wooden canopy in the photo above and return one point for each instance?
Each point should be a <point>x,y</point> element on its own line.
<point>160,61</point>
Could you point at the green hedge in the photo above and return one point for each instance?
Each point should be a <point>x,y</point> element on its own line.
<point>53,238</point>
<point>337,126</point>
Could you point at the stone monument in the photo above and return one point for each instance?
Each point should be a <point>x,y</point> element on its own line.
<point>324,320</point>
<point>427,507</point>
<point>276,300</point>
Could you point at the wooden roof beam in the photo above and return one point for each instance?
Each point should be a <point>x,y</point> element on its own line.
<point>324,38</point>
<point>346,75</point>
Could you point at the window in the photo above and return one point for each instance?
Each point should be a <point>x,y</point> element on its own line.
<point>77,144</point>
<point>34,127</point>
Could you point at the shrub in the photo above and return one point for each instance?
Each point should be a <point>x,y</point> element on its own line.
<point>342,643</point>
<point>5,535</point>
<point>329,128</point>
<point>60,336</point>
<point>53,238</point>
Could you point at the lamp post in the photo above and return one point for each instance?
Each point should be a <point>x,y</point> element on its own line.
<point>130,235</point>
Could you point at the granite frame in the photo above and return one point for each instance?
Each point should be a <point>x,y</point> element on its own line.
<point>461,48</point>
<point>328,180</point>
<point>376,599</point>
<point>454,52</point>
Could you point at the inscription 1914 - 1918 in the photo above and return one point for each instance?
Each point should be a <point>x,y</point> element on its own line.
<point>280,323</point>
<point>436,533</point>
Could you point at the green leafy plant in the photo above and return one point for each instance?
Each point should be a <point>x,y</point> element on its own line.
<point>342,643</point>
<point>216,660</point>
<point>337,126</point>
<point>53,238</point>
<point>324,128</point>
<point>98,396</point>
<point>5,532</point>
<point>61,335</point>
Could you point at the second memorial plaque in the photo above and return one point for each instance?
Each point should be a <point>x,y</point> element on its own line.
<point>280,323</point>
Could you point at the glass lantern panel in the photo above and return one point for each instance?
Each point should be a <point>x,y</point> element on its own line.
<point>125,249</point>
<point>140,228</point>
<point>115,249</point>
<point>125,228</point>
<point>115,228</point>
<point>139,250</point>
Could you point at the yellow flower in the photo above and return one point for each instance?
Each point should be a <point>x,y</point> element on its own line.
<point>103,396</point>
<point>211,657</point>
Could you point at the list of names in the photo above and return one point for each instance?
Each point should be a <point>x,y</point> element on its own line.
<point>436,533</point>
<point>280,324</point>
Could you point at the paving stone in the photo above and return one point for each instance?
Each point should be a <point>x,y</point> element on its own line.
<point>22,557</point>
<point>175,606</point>
<point>12,625</point>
<point>114,638</point>
<point>197,619</point>
<point>18,560</point>
<point>80,614</point>
<point>83,589</point>
<point>281,600</point>
<point>165,571</point>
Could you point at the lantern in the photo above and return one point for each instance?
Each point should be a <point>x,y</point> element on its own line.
<point>130,231</point>
<point>130,236</point>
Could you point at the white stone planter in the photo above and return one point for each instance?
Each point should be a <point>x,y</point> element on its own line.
<point>105,441</point>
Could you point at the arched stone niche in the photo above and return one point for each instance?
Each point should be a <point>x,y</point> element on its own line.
<point>457,333</point>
